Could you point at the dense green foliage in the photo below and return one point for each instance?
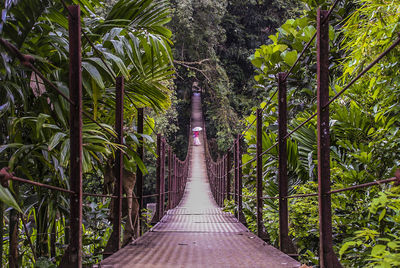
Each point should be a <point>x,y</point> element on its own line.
<point>134,43</point>
<point>213,40</point>
<point>364,133</point>
<point>218,45</point>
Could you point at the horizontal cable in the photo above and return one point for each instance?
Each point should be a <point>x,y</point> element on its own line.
<point>348,85</point>
<point>28,64</point>
<point>330,11</point>
<point>100,55</point>
<point>100,195</point>
<point>153,195</point>
<point>309,42</point>
<point>51,187</point>
<point>248,162</point>
<point>9,176</point>
<point>299,57</point>
<point>262,110</point>
<point>300,195</point>
<point>26,61</point>
<point>270,148</point>
<point>395,43</point>
<point>364,185</point>
<point>299,126</point>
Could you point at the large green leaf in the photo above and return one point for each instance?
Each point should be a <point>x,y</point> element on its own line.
<point>7,198</point>
<point>289,57</point>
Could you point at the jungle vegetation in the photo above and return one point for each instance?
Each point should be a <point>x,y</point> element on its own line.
<point>231,50</point>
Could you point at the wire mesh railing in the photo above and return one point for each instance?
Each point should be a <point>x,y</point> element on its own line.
<point>220,171</point>
<point>169,190</point>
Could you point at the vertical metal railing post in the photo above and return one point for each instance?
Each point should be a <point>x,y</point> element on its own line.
<point>170,170</point>
<point>216,184</point>
<point>241,217</point>
<point>182,184</point>
<point>235,178</point>
<point>180,180</point>
<point>216,166</point>
<point>175,183</point>
<point>178,170</point>
<point>327,255</point>
<point>221,183</point>
<point>260,203</point>
<point>212,179</point>
<point>228,175</point>
<point>140,152</point>
<point>73,254</point>
<point>158,180</point>
<point>285,243</point>
<point>215,170</point>
<point>223,168</point>
<point>162,179</point>
<point>118,167</point>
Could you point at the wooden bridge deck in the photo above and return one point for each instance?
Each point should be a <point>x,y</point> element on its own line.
<point>197,233</point>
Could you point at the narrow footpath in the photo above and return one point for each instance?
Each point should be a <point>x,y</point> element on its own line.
<point>197,233</point>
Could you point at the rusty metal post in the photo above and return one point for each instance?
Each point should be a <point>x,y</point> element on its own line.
<point>158,180</point>
<point>140,152</point>
<point>175,183</point>
<point>327,255</point>
<point>220,181</point>
<point>241,217</point>
<point>285,243</point>
<point>213,180</point>
<point>73,254</point>
<point>223,168</point>
<point>235,178</point>
<point>260,203</point>
<point>170,170</point>
<point>178,181</point>
<point>181,180</point>
<point>223,180</point>
<point>228,176</point>
<point>162,179</point>
<point>118,168</point>
<point>178,176</point>
<point>216,182</point>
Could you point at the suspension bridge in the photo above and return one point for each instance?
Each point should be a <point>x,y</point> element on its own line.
<point>191,230</point>
<point>197,233</point>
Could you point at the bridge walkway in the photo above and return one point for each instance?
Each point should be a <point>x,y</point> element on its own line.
<point>197,233</point>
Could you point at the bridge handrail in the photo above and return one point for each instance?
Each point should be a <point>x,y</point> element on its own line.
<point>221,182</point>
<point>177,170</point>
